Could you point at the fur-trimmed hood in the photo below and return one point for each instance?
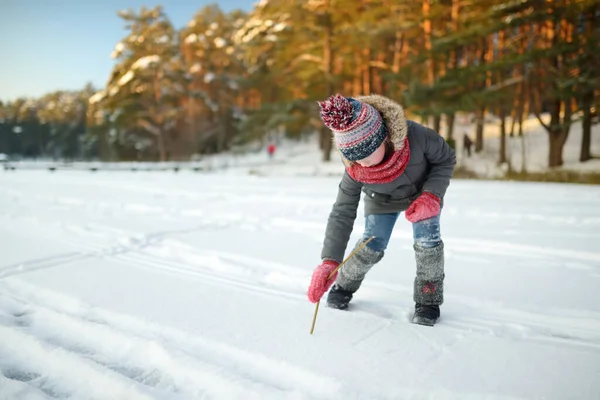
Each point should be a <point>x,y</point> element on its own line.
<point>393,116</point>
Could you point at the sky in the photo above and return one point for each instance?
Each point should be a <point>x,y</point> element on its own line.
<point>48,45</point>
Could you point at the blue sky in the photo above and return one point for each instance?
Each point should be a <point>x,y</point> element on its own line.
<point>47,45</point>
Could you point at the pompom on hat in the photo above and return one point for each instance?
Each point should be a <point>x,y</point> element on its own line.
<point>358,128</point>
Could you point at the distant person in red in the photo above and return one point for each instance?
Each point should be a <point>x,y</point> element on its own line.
<point>271,149</point>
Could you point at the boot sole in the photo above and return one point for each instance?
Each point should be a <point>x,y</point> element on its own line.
<point>424,321</point>
<point>338,307</point>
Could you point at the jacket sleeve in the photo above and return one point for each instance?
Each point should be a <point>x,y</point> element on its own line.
<point>341,219</point>
<point>442,160</point>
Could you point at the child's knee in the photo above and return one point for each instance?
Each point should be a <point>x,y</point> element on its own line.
<point>428,242</point>
<point>377,244</point>
<point>426,233</point>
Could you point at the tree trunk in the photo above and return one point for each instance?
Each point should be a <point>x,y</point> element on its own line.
<point>560,107</point>
<point>326,143</point>
<point>481,54</point>
<point>327,64</point>
<point>502,155</point>
<point>587,96</point>
<point>162,151</point>
<point>513,121</point>
<point>523,155</point>
<point>502,159</point>
<point>520,124</point>
<point>452,65</point>
<point>558,131</point>
<point>479,120</point>
<point>357,76</point>
<point>366,68</point>
<point>450,128</point>
<point>555,149</point>
<point>430,64</point>
<point>558,137</point>
<point>586,126</point>
<point>437,122</point>
<point>398,44</point>
<point>376,76</point>
<point>426,9</point>
<point>523,96</point>
<point>158,119</point>
<point>525,103</point>
<point>516,113</point>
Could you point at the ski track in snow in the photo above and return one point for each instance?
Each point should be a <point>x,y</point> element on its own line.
<point>135,359</point>
<point>156,251</point>
<point>46,336</point>
<point>148,251</point>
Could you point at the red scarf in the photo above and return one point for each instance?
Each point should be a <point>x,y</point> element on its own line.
<point>385,172</point>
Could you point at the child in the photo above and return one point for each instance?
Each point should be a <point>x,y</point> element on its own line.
<point>400,165</point>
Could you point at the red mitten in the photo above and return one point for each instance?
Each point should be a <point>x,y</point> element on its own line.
<point>319,283</point>
<point>425,206</point>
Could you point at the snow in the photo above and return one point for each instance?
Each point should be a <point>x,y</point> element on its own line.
<point>197,67</point>
<point>118,50</point>
<point>156,285</point>
<point>220,42</point>
<point>255,26</point>
<point>191,38</point>
<point>98,96</point>
<point>163,39</point>
<point>209,77</point>
<point>279,27</point>
<point>126,78</point>
<point>145,61</point>
<point>261,3</point>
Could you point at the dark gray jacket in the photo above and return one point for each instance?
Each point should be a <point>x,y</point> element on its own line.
<point>429,169</point>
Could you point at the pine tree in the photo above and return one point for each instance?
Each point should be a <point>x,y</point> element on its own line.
<point>145,86</point>
<point>281,61</point>
<point>64,114</point>
<point>214,75</point>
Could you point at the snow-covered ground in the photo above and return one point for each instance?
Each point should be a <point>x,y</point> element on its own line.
<point>121,285</point>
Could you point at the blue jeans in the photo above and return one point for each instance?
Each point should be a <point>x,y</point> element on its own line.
<point>426,233</point>
<point>429,257</point>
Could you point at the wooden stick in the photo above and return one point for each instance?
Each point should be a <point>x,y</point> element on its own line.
<point>312,328</point>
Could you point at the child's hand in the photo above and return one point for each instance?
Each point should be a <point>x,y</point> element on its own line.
<point>319,283</point>
<point>425,206</point>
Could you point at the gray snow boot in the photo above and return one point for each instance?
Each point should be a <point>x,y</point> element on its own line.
<point>338,297</point>
<point>351,275</point>
<point>426,315</point>
<point>428,292</point>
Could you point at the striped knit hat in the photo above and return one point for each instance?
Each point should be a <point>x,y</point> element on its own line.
<point>358,128</point>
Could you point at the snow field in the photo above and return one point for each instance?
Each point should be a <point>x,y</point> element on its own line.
<point>123,286</point>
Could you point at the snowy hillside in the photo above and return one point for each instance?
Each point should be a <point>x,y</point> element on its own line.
<point>117,285</point>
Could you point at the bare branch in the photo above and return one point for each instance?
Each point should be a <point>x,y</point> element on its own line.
<point>379,64</point>
<point>148,126</point>
<point>303,57</point>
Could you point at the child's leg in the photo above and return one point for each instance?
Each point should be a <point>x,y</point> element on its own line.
<point>353,272</point>
<point>429,254</point>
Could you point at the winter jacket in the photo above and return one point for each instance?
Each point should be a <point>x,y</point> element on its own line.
<point>429,169</point>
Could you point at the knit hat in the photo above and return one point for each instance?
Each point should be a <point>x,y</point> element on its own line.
<point>357,127</point>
